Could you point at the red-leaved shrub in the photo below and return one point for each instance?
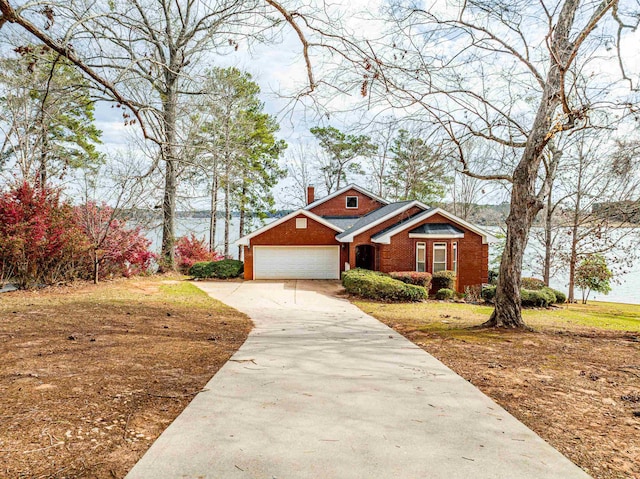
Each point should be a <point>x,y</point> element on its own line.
<point>44,240</point>
<point>191,250</point>
<point>115,250</point>
<point>40,242</point>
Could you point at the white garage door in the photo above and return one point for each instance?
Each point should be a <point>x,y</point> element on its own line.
<point>296,262</point>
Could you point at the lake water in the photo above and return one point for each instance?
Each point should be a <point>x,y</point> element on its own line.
<point>625,289</point>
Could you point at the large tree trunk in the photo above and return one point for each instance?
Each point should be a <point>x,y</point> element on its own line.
<point>525,203</point>
<point>573,254</point>
<point>508,308</point>
<point>169,106</point>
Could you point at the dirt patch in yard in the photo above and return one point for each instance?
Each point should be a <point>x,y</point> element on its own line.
<point>580,391</point>
<point>91,375</point>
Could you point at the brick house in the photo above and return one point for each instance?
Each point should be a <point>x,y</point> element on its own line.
<point>355,228</point>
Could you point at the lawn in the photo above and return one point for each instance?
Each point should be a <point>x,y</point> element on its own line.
<point>91,375</point>
<point>575,379</point>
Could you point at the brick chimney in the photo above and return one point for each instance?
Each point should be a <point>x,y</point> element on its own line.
<point>311,194</point>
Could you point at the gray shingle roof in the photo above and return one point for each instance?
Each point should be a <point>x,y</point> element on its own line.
<point>374,216</point>
<point>437,228</point>
<point>342,222</point>
<point>395,225</point>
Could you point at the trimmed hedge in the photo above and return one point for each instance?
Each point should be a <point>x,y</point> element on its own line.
<point>443,280</point>
<point>223,269</point>
<point>375,285</point>
<point>530,297</point>
<point>445,294</point>
<point>413,277</point>
<point>537,297</point>
<point>532,284</point>
<point>561,298</point>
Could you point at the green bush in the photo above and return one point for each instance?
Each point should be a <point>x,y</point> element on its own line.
<point>530,297</point>
<point>443,280</point>
<point>445,293</point>
<point>493,276</point>
<point>375,285</point>
<point>532,284</point>
<point>537,298</point>
<point>223,269</point>
<point>561,298</point>
<point>413,277</point>
<point>488,293</point>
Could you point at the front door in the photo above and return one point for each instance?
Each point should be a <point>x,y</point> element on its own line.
<point>364,256</point>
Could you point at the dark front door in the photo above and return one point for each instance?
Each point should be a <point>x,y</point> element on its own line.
<point>364,256</point>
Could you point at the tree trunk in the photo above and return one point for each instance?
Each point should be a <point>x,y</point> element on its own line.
<point>548,241</point>
<point>96,268</point>
<point>169,106</point>
<point>573,254</point>
<point>525,203</point>
<point>214,211</point>
<point>227,216</point>
<point>508,309</point>
<point>242,217</point>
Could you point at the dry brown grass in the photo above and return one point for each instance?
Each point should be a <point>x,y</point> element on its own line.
<point>91,375</point>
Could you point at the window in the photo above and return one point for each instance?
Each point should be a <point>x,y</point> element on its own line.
<point>352,202</point>
<point>455,257</point>
<point>439,257</point>
<point>301,223</point>
<point>421,257</point>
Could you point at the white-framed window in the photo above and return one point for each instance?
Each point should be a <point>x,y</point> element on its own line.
<point>301,223</point>
<point>455,256</point>
<point>421,257</point>
<point>352,202</point>
<point>439,257</point>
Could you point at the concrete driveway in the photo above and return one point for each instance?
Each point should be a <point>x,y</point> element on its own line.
<point>321,390</point>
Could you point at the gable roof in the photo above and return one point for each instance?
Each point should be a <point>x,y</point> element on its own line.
<point>343,222</point>
<point>352,186</point>
<point>246,239</point>
<point>378,216</point>
<point>385,235</point>
<point>436,229</point>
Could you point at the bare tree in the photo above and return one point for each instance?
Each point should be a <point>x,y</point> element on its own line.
<point>509,73</point>
<point>601,200</point>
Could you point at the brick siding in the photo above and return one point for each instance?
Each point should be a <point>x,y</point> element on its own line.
<point>338,206</point>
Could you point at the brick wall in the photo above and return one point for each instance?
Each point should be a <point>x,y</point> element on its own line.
<point>365,238</point>
<point>400,255</point>
<point>286,234</point>
<point>338,206</point>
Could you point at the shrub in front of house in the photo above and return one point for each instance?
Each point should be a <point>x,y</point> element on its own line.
<point>443,280</point>
<point>191,250</point>
<point>413,277</point>
<point>488,293</point>
<point>532,284</point>
<point>380,286</point>
<point>445,294</point>
<point>531,298</point>
<point>223,269</point>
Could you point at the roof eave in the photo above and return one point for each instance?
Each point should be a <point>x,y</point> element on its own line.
<point>351,186</point>
<point>349,238</point>
<point>246,240</point>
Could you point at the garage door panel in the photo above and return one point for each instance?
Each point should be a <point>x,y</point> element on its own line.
<point>296,262</point>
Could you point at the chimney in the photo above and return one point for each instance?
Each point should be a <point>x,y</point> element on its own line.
<point>311,194</point>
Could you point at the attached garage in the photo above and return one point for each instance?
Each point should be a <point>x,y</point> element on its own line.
<point>296,262</point>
